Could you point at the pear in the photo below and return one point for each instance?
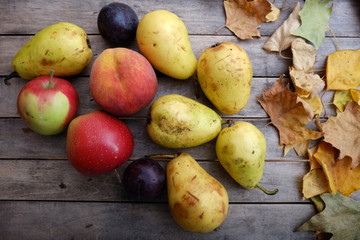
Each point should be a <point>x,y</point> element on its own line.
<point>163,39</point>
<point>241,150</point>
<point>197,201</point>
<point>225,73</point>
<point>62,47</point>
<point>175,121</point>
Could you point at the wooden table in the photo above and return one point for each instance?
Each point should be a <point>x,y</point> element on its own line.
<point>43,197</point>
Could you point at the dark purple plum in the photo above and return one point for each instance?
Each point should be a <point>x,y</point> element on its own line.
<point>117,23</point>
<point>144,179</point>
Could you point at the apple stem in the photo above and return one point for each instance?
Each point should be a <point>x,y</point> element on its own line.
<point>51,78</point>
<point>273,192</point>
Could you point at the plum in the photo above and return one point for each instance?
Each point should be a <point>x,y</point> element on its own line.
<point>144,179</point>
<point>117,23</point>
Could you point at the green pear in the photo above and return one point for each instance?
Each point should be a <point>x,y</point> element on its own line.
<point>62,47</point>
<point>241,150</point>
<point>175,121</point>
<point>163,39</point>
<point>224,73</point>
<point>198,202</point>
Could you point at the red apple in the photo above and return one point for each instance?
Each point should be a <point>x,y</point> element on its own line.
<point>122,81</point>
<point>97,143</point>
<point>47,104</point>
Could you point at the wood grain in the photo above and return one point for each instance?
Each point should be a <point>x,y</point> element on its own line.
<point>43,197</point>
<point>93,220</point>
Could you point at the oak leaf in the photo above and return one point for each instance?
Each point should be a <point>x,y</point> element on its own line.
<point>281,39</point>
<point>343,132</point>
<point>243,17</point>
<point>287,114</point>
<point>314,17</point>
<point>342,70</point>
<point>341,217</point>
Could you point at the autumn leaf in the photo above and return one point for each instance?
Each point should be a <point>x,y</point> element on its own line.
<point>355,95</point>
<point>341,98</point>
<point>314,17</point>
<point>243,17</point>
<point>343,132</point>
<point>341,217</point>
<point>307,84</point>
<point>274,14</point>
<point>342,70</point>
<point>314,183</point>
<point>312,105</point>
<point>281,39</point>
<point>287,114</point>
<point>304,55</point>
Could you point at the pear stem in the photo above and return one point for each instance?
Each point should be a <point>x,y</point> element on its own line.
<point>163,156</point>
<point>273,192</point>
<point>10,76</point>
<point>51,79</point>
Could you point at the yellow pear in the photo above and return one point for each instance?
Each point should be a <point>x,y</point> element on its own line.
<point>163,39</point>
<point>62,47</point>
<point>175,121</point>
<point>225,74</point>
<point>198,202</point>
<point>241,150</point>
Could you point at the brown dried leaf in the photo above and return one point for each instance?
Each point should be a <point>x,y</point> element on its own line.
<point>343,132</point>
<point>287,114</point>
<point>341,177</point>
<point>281,39</point>
<point>307,85</point>
<point>243,17</point>
<point>303,55</point>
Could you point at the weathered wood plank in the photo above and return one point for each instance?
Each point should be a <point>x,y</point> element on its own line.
<point>90,220</point>
<point>17,141</point>
<point>58,180</point>
<point>200,17</point>
<point>263,63</point>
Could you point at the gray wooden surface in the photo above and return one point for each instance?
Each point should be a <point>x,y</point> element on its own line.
<point>43,197</point>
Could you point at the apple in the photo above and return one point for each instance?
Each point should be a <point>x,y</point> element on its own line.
<point>97,143</point>
<point>47,104</point>
<point>122,81</point>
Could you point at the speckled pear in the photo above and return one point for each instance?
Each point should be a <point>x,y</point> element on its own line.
<point>175,121</point>
<point>63,47</point>
<point>198,202</point>
<point>241,150</point>
<point>225,74</point>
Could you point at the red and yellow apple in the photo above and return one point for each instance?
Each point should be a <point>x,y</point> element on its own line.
<point>47,104</point>
<point>122,81</point>
<point>97,143</point>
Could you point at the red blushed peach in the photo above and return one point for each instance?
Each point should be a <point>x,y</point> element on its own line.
<point>122,81</point>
